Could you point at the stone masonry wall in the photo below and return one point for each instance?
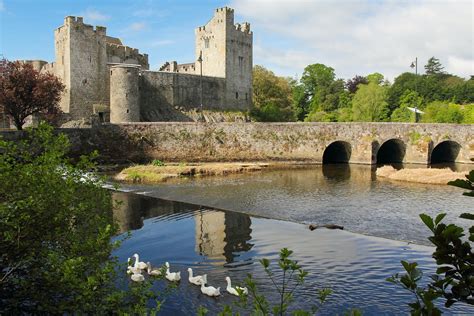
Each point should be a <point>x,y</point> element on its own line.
<point>164,95</point>
<point>263,141</point>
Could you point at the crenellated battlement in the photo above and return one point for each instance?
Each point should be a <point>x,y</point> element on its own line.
<point>78,22</point>
<point>244,27</point>
<point>225,10</point>
<point>126,53</point>
<point>96,70</point>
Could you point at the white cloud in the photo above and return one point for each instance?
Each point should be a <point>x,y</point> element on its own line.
<point>137,26</point>
<point>360,36</point>
<point>2,6</point>
<point>92,15</point>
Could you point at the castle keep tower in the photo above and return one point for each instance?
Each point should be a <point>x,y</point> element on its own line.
<point>81,61</point>
<point>227,52</point>
<point>102,76</point>
<point>84,55</point>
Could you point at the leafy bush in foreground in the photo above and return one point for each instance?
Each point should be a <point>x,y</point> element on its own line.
<point>454,278</point>
<point>56,227</point>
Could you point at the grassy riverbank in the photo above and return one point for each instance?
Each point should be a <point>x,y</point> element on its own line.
<point>420,175</point>
<point>154,173</point>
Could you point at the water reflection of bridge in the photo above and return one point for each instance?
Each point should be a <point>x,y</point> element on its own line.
<point>219,235</point>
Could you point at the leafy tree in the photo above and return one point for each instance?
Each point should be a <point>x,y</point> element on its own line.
<point>468,114</point>
<point>453,254</point>
<point>271,97</point>
<point>322,88</point>
<point>412,99</point>
<point>321,116</point>
<point>344,114</point>
<point>300,101</point>
<point>433,67</point>
<point>370,103</point>
<point>408,99</point>
<point>443,112</point>
<point>376,78</point>
<point>401,114</point>
<point>56,227</point>
<point>351,84</point>
<point>24,92</point>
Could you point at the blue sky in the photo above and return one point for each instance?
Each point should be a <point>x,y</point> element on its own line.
<point>352,36</point>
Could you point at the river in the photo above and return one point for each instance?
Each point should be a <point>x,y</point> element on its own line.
<point>234,221</point>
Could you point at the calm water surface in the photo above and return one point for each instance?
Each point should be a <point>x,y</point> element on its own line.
<point>223,243</point>
<point>350,196</point>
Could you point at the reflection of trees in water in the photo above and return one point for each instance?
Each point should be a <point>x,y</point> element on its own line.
<point>219,235</point>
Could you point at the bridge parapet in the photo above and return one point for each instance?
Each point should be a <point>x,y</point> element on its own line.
<point>363,143</point>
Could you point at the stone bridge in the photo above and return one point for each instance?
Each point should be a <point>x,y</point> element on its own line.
<point>362,143</point>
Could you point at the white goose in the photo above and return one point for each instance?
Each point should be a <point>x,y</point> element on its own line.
<point>232,290</point>
<point>131,269</point>
<point>198,279</point>
<point>139,264</point>
<point>137,277</point>
<point>209,290</point>
<point>172,276</point>
<point>151,271</point>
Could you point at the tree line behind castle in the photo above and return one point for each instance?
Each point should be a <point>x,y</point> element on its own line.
<point>318,96</point>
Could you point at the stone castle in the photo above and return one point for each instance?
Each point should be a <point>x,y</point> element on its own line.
<point>111,81</point>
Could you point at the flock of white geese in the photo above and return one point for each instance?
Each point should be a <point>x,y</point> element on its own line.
<point>138,267</point>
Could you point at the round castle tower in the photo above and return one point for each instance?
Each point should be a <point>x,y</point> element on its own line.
<point>124,94</point>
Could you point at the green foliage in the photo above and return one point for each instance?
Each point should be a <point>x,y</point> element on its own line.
<point>402,114</point>
<point>465,184</point>
<point>424,297</point>
<point>157,163</point>
<point>370,103</point>
<point>412,99</point>
<point>285,281</point>
<point>468,114</point>
<point>352,84</point>
<point>319,97</point>
<point>344,114</point>
<point>376,78</point>
<point>56,227</point>
<point>322,88</point>
<point>433,67</point>
<point>408,99</point>
<point>453,254</point>
<point>443,112</point>
<point>299,101</point>
<point>272,100</point>
<point>321,116</point>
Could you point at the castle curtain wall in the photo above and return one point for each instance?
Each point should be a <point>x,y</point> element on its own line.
<point>163,93</point>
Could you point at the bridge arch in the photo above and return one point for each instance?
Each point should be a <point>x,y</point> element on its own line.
<point>337,152</point>
<point>446,151</point>
<point>391,151</point>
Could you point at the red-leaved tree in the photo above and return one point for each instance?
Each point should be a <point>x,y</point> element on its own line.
<point>25,91</point>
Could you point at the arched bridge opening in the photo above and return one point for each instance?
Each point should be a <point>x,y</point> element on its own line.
<point>446,151</point>
<point>391,151</point>
<point>337,152</point>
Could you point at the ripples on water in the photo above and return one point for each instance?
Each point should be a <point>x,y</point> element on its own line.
<point>347,195</point>
<point>230,244</point>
